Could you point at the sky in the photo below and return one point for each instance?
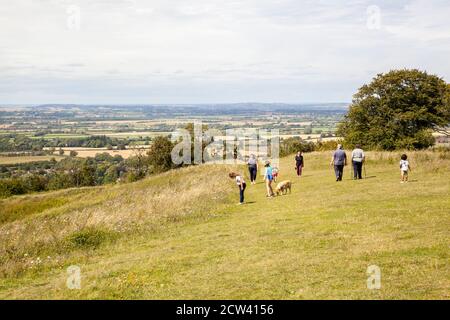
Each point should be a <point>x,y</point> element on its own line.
<point>213,51</point>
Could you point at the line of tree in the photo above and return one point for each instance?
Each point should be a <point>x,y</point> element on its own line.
<point>87,142</point>
<point>18,143</point>
<point>14,142</point>
<point>68,173</point>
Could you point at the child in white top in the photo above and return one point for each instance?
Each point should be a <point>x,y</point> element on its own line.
<point>405,167</point>
<point>241,185</point>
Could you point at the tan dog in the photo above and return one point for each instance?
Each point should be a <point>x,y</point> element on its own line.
<point>283,187</point>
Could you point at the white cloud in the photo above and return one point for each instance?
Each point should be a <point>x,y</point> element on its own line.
<point>129,51</point>
<point>424,21</point>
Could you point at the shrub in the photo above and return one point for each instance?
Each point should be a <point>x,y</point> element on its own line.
<point>12,186</point>
<point>293,145</point>
<point>89,238</point>
<point>327,145</point>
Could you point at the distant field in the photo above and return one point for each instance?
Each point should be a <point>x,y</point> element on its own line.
<point>123,135</point>
<point>91,152</point>
<point>58,136</point>
<point>132,134</point>
<point>82,153</point>
<point>25,159</point>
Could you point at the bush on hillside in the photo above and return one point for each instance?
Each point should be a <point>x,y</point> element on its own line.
<point>293,145</point>
<point>89,238</point>
<point>159,154</point>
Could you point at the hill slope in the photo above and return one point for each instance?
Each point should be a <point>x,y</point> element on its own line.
<point>181,235</point>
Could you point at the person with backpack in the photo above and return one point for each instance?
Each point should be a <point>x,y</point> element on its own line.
<point>358,158</point>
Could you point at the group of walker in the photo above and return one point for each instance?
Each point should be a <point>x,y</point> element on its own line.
<point>270,175</point>
<point>338,161</point>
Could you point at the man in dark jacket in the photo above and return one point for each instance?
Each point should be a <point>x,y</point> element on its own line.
<point>339,160</point>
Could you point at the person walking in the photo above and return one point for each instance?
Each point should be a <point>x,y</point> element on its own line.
<point>299,163</point>
<point>252,168</point>
<point>268,178</point>
<point>405,167</point>
<point>241,185</point>
<point>339,160</point>
<point>358,158</point>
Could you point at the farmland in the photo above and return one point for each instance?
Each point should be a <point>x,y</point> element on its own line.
<point>138,123</point>
<point>25,159</point>
<point>129,130</point>
<point>91,152</point>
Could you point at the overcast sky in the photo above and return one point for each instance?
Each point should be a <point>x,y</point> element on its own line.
<point>210,51</point>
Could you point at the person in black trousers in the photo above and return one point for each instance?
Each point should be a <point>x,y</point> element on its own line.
<point>241,185</point>
<point>339,160</point>
<point>358,158</point>
<point>252,168</point>
<point>299,163</point>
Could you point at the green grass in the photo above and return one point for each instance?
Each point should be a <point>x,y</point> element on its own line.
<point>22,207</point>
<point>315,243</point>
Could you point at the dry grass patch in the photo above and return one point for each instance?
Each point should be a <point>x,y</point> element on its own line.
<point>41,224</point>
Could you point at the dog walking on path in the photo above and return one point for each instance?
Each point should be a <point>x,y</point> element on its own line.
<point>283,187</point>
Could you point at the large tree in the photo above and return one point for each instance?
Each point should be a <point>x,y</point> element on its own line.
<point>399,109</point>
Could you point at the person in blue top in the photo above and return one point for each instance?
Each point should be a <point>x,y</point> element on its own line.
<point>268,178</point>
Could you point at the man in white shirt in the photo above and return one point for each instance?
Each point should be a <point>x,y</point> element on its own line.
<point>358,158</point>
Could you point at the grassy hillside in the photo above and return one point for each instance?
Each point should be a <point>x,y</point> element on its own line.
<point>181,235</point>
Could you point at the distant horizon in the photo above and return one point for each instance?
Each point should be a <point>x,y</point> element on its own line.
<point>5,105</point>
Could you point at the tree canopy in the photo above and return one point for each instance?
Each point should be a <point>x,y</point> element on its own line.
<point>398,110</point>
